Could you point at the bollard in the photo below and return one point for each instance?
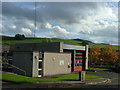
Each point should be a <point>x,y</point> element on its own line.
<point>81,75</point>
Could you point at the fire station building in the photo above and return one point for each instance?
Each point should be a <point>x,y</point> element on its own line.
<point>53,58</point>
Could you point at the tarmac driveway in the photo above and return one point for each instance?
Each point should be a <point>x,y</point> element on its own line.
<point>107,74</point>
<point>115,81</point>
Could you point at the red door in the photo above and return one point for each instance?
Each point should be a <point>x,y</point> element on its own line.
<point>79,60</point>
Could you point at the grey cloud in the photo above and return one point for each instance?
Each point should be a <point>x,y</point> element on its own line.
<point>67,13</point>
<point>12,10</point>
<point>110,32</point>
<point>107,32</point>
<point>13,26</point>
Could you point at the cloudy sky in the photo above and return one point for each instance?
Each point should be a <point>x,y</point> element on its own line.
<point>94,21</point>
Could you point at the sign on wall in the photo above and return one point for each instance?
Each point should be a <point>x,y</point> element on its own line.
<point>61,62</point>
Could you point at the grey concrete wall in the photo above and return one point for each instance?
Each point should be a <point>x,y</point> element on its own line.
<point>51,47</point>
<point>24,61</point>
<point>35,64</point>
<point>56,63</point>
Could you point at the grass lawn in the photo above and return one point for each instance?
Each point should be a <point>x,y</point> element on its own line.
<point>11,41</point>
<point>20,79</point>
<point>102,69</point>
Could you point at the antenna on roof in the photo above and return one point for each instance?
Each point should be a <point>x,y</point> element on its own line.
<point>35,19</point>
<point>35,27</point>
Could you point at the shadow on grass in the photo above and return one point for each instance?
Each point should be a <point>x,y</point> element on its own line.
<point>6,81</point>
<point>68,80</point>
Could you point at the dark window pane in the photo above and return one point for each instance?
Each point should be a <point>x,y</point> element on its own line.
<point>40,65</point>
<point>40,72</point>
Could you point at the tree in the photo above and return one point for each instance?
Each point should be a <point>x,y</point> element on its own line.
<point>94,54</point>
<point>19,37</point>
<point>84,42</point>
<point>109,55</point>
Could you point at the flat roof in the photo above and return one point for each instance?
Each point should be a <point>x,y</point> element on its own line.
<point>73,47</point>
<point>65,46</point>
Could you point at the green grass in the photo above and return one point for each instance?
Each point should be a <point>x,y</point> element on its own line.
<point>102,69</point>
<point>10,41</point>
<point>20,79</point>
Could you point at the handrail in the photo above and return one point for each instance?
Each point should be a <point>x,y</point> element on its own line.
<point>17,68</point>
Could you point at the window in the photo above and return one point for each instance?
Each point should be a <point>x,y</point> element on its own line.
<point>80,61</point>
<point>40,65</point>
<point>78,64</point>
<point>40,72</point>
<point>76,61</point>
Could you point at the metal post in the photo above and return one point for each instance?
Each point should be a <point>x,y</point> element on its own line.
<point>81,75</point>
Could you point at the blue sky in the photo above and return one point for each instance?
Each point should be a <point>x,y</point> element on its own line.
<point>94,21</point>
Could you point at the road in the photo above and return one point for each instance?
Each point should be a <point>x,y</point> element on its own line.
<point>115,82</point>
